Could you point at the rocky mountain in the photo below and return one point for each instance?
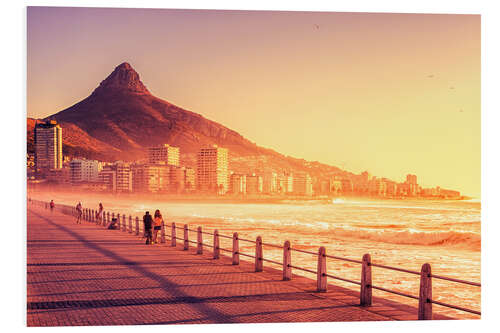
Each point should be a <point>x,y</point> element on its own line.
<point>121,118</point>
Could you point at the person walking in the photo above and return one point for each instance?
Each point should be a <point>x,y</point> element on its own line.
<point>52,205</point>
<point>99,214</point>
<point>79,213</point>
<point>157,225</point>
<point>148,223</point>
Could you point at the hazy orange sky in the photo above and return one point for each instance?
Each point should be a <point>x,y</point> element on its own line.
<point>388,93</point>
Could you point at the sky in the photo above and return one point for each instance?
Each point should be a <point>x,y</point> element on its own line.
<point>389,93</point>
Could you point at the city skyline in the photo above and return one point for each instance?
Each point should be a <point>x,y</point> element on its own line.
<point>380,122</point>
<point>161,172</point>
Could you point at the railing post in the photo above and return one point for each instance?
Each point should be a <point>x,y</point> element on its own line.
<point>365,295</point>
<point>425,295</point>
<point>91,215</point>
<point>162,239</point>
<point>216,244</point>
<point>112,216</point>
<point>199,242</point>
<point>186,238</point>
<point>124,223</point>
<point>107,219</point>
<point>321,271</point>
<point>119,220</point>
<point>173,241</point>
<point>236,249</point>
<point>130,224</point>
<point>137,226</point>
<point>258,254</point>
<point>287,261</point>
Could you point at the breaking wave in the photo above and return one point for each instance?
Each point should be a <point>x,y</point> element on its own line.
<point>468,240</point>
<point>386,233</point>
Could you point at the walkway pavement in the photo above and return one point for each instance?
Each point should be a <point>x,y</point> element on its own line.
<point>82,274</point>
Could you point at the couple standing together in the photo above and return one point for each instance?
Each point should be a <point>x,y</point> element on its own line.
<point>151,233</point>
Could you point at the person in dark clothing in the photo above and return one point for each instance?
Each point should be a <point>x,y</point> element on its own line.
<point>148,224</point>
<point>79,213</point>
<point>113,224</point>
<point>52,205</point>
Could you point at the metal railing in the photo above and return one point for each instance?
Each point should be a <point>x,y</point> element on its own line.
<point>424,297</point>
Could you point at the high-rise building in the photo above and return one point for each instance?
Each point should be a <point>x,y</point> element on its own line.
<point>347,186</point>
<point>212,169</point>
<point>190,180</point>
<point>254,184</point>
<point>390,187</point>
<point>336,185</point>
<point>164,154</point>
<point>238,183</point>
<point>177,179</point>
<point>81,170</point>
<point>48,147</point>
<point>124,178</point>
<point>151,178</point>
<point>378,187</point>
<point>269,182</point>
<point>107,177</point>
<point>117,177</point>
<point>288,183</point>
<point>411,179</point>
<point>302,184</point>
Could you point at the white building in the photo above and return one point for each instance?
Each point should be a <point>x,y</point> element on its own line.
<point>81,170</point>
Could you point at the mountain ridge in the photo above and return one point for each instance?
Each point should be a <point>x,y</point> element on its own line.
<point>121,118</point>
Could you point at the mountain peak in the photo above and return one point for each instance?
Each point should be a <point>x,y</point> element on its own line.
<point>123,79</point>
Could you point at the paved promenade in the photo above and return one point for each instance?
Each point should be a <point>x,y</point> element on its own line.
<point>82,274</point>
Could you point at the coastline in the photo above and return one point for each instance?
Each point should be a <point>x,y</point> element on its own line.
<point>232,199</point>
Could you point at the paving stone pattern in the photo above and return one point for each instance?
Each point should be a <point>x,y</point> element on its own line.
<point>83,274</point>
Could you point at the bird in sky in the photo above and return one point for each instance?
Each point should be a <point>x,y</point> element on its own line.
<point>430,76</point>
<point>452,88</point>
<point>316,26</point>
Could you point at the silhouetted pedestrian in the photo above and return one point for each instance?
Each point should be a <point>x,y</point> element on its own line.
<point>79,213</point>
<point>148,224</point>
<point>99,214</point>
<point>52,205</point>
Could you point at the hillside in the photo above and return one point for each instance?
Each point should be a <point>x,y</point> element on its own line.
<point>121,118</point>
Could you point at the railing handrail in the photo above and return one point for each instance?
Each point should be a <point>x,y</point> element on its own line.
<point>90,215</point>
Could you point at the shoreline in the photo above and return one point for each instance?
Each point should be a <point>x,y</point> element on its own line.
<point>230,199</point>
